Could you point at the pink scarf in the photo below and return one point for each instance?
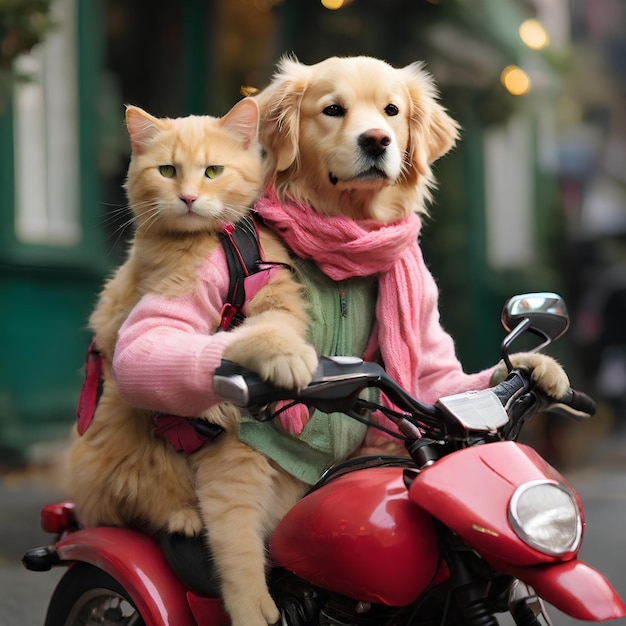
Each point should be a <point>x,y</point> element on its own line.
<point>343,248</point>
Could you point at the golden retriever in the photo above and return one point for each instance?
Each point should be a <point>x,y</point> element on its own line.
<point>354,136</point>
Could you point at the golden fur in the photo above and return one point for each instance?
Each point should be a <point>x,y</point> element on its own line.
<point>120,472</point>
<point>314,120</point>
<point>308,143</point>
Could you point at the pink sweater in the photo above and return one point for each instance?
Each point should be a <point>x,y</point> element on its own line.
<point>168,350</point>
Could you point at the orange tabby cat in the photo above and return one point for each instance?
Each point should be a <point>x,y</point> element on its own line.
<point>187,178</point>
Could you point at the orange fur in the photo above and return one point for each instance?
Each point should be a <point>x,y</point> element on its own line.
<point>120,472</point>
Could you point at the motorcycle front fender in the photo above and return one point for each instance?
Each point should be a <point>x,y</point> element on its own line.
<point>576,589</point>
<point>469,491</point>
<point>135,561</point>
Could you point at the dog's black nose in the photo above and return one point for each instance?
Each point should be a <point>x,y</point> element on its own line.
<point>374,141</point>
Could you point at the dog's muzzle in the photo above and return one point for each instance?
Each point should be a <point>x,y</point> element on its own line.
<point>372,173</point>
<point>374,142</point>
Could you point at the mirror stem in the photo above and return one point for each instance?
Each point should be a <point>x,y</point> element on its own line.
<point>510,338</point>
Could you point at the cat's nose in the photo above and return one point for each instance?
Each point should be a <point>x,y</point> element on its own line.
<point>189,199</point>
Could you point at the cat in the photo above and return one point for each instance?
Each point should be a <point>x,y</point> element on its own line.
<point>187,178</point>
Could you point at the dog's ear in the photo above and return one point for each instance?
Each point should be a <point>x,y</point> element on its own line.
<point>444,132</point>
<point>432,131</point>
<point>279,104</point>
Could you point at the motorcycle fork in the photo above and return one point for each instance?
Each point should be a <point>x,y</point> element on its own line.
<point>478,591</point>
<point>468,589</point>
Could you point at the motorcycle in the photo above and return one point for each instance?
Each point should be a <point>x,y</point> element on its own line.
<point>469,525</point>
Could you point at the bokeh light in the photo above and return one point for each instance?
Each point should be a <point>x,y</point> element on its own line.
<point>332,5</point>
<point>515,80</point>
<point>534,34</point>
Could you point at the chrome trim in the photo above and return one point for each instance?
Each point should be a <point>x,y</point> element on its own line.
<point>233,388</point>
<point>517,525</point>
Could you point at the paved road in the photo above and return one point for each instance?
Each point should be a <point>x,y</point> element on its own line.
<point>24,595</point>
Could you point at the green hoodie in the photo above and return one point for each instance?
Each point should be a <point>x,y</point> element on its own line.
<point>342,316</point>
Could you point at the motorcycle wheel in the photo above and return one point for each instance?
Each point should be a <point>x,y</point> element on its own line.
<point>88,596</point>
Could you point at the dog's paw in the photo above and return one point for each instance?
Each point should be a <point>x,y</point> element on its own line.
<point>283,360</point>
<point>185,522</point>
<point>546,372</point>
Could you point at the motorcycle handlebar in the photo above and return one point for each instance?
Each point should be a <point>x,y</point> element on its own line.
<point>576,404</point>
<point>335,386</point>
<point>338,381</point>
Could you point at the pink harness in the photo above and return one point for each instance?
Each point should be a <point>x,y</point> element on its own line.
<point>248,273</point>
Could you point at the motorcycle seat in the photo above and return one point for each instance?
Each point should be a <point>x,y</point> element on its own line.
<point>190,559</point>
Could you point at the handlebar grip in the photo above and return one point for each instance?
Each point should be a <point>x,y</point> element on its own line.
<point>579,402</point>
<point>244,387</point>
<point>336,380</point>
<point>516,382</point>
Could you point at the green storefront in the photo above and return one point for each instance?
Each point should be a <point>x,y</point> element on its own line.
<point>52,255</point>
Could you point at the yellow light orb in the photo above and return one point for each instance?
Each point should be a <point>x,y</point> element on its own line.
<point>332,5</point>
<point>534,34</point>
<point>515,80</point>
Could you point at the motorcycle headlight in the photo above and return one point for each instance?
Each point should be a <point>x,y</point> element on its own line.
<point>545,515</point>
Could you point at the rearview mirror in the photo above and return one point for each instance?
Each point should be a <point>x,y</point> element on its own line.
<point>542,314</point>
<point>546,311</point>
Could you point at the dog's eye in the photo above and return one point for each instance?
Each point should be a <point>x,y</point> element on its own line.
<point>391,110</point>
<point>334,110</point>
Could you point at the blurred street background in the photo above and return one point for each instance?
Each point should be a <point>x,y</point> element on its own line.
<point>532,199</point>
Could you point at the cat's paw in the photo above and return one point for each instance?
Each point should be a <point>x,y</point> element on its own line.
<point>546,372</point>
<point>255,611</point>
<point>269,609</point>
<point>290,371</point>
<point>185,522</point>
<point>280,358</point>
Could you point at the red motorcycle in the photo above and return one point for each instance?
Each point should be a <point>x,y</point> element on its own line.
<point>471,524</point>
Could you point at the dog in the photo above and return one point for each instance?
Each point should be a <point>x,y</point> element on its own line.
<point>352,140</point>
<point>355,136</point>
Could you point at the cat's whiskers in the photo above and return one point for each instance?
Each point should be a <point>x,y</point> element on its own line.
<point>248,226</point>
<point>119,232</point>
<point>113,208</point>
<point>148,218</point>
<point>233,213</point>
<point>112,216</point>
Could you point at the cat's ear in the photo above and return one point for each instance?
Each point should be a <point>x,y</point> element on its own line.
<point>142,128</point>
<point>243,121</point>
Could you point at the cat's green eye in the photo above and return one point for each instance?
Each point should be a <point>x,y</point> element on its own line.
<point>167,171</point>
<point>213,171</point>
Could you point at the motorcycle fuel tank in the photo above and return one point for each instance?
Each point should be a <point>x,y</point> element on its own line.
<point>361,536</point>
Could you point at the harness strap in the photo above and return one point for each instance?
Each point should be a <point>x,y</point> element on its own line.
<point>91,389</point>
<point>186,434</point>
<point>243,256</point>
<point>244,259</point>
